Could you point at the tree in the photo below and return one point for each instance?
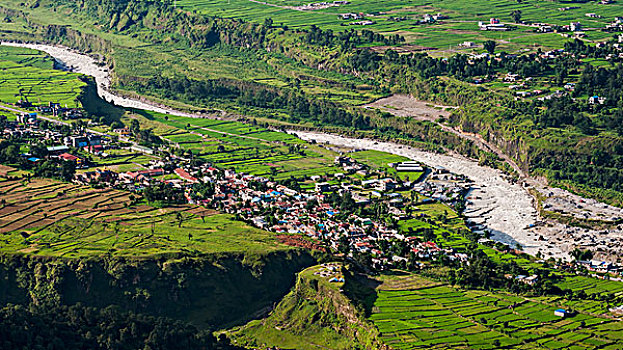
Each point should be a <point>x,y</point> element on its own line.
<point>68,170</point>
<point>180,219</point>
<point>516,16</point>
<point>135,127</point>
<point>39,150</point>
<point>489,45</point>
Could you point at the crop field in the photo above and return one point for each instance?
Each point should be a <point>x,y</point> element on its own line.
<point>30,73</point>
<point>413,313</point>
<point>242,147</point>
<point>461,26</point>
<point>49,218</point>
<point>121,160</point>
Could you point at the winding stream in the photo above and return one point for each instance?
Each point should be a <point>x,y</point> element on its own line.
<point>504,208</point>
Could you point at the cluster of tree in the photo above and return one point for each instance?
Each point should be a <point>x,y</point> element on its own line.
<point>78,327</point>
<point>293,102</point>
<point>10,152</point>
<point>164,193</point>
<point>345,203</point>
<point>51,168</point>
<point>145,137</point>
<point>458,66</point>
<point>597,169</point>
<point>607,49</point>
<point>157,21</point>
<point>602,82</point>
<point>348,39</point>
<point>56,169</point>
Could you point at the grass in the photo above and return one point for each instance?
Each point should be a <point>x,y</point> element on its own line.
<point>462,25</point>
<point>412,312</point>
<point>49,218</point>
<point>29,74</point>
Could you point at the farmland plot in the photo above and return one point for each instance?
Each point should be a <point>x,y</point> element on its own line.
<point>415,313</point>
<point>29,74</point>
<point>49,218</point>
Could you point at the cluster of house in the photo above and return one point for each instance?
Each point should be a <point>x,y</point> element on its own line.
<point>346,16</point>
<point>602,267</point>
<point>428,18</point>
<point>529,280</point>
<point>137,180</point>
<point>418,249</point>
<point>58,111</point>
<point>332,272</point>
<point>362,23</point>
<point>616,26</point>
<point>596,100</point>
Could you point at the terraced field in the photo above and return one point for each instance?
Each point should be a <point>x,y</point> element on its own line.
<point>242,147</point>
<point>49,218</point>
<point>461,25</point>
<point>30,73</point>
<point>415,313</point>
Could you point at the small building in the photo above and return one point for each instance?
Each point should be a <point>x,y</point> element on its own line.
<point>560,313</point>
<point>27,118</point>
<point>71,158</point>
<point>55,150</point>
<point>77,141</point>
<point>596,100</point>
<point>142,149</point>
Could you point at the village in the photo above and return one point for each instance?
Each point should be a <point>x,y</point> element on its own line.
<point>354,212</point>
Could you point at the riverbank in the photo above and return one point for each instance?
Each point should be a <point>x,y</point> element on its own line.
<point>77,62</point>
<point>506,209</point>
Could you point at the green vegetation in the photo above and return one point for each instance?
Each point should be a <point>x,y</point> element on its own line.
<point>316,313</point>
<point>412,313</point>
<point>47,218</point>
<point>30,74</point>
<point>79,327</point>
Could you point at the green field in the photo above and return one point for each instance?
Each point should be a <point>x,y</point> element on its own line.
<point>30,74</point>
<point>49,218</point>
<point>229,144</point>
<point>414,313</point>
<point>461,26</point>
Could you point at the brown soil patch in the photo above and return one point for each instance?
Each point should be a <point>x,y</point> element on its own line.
<point>299,241</point>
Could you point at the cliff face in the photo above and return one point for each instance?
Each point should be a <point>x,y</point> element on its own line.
<point>214,291</point>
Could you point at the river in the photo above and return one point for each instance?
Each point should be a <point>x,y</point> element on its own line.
<point>506,209</point>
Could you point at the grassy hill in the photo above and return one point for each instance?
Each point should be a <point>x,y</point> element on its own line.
<point>459,27</point>
<point>315,314</point>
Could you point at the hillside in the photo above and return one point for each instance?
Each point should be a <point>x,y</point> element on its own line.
<point>64,244</point>
<point>317,313</point>
<point>311,77</point>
